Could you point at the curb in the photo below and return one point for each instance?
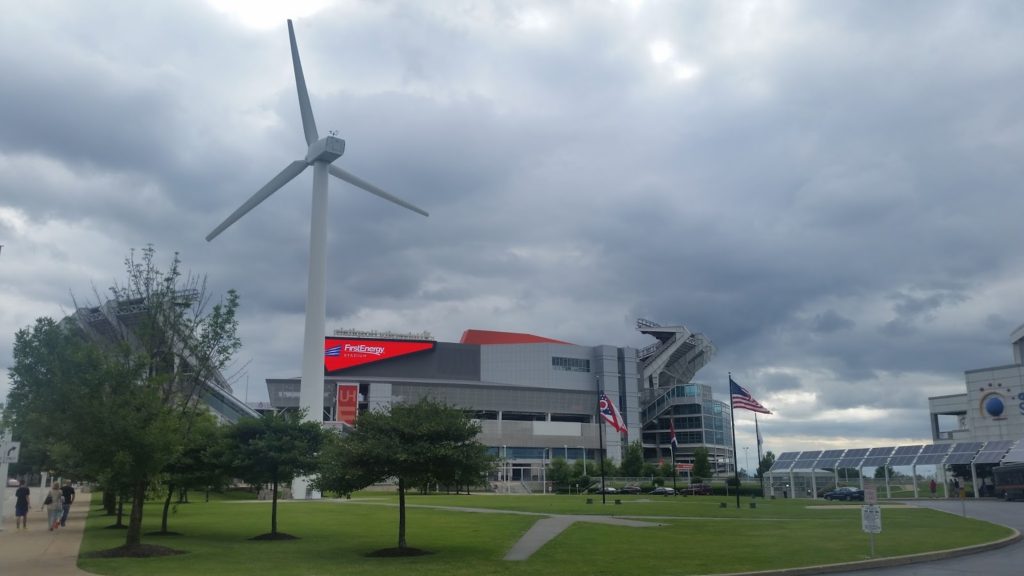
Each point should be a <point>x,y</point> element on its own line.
<point>888,562</point>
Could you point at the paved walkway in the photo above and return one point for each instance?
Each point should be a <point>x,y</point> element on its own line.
<point>37,551</point>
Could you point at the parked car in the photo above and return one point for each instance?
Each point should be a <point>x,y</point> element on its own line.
<point>696,490</point>
<point>13,483</point>
<point>629,490</point>
<point>663,491</point>
<point>845,493</point>
<point>607,490</point>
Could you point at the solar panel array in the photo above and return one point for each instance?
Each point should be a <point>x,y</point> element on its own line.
<point>991,452</point>
<point>806,460</point>
<point>829,458</point>
<point>784,462</point>
<point>878,456</point>
<point>905,455</point>
<point>964,452</point>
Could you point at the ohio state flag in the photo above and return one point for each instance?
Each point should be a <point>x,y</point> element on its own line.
<point>610,413</point>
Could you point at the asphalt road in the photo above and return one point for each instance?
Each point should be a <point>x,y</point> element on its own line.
<point>1008,561</point>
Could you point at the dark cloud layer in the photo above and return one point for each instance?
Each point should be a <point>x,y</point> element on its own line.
<point>826,190</point>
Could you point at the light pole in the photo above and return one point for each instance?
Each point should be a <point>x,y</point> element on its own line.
<point>566,447</point>
<point>746,458</point>
<point>584,450</point>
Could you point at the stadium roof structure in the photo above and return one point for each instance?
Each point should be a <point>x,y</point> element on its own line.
<point>675,358</point>
<point>491,337</point>
<point>118,319</point>
<point>991,452</point>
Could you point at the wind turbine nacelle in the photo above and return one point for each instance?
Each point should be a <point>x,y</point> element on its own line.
<point>325,150</point>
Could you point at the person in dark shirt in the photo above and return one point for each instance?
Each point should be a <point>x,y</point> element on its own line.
<point>21,506</point>
<point>69,496</point>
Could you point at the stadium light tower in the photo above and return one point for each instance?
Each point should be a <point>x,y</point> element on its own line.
<point>320,153</point>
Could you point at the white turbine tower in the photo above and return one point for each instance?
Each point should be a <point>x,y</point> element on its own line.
<point>319,154</point>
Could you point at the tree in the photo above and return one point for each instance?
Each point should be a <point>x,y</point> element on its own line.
<point>273,449</point>
<point>414,444</point>
<point>559,472</point>
<point>767,461</point>
<point>633,463</point>
<point>113,404</point>
<point>196,466</point>
<point>885,471</point>
<point>701,464</point>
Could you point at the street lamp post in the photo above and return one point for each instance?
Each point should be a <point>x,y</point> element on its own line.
<point>584,450</point>
<point>746,457</point>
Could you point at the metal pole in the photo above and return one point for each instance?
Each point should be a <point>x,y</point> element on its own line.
<point>584,450</point>
<point>736,469</point>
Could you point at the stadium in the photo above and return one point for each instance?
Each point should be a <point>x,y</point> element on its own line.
<point>535,397</point>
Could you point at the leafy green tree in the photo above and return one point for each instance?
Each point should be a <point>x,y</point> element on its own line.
<point>883,471</point>
<point>633,463</point>
<point>560,472</point>
<point>415,444</point>
<point>666,469</point>
<point>767,461</point>
<point>114,405</point>
<point>271,450</point>
<point>701,464</point>
<point>197,465</point>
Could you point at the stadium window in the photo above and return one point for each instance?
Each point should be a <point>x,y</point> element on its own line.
<point>570,364</point>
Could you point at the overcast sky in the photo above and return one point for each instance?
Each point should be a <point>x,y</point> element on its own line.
<point>830,191</point>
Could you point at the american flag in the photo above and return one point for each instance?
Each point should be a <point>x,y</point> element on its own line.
<point>742,399</point>
<point>610,413</point>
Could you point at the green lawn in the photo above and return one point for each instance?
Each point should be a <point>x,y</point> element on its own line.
<point>697,537</point>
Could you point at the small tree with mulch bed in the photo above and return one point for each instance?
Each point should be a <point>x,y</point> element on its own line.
<point>418,444</point>
<point>271,450</point>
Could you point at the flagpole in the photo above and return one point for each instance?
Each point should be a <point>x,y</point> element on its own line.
<point>735,468</point>
<point>757,431</point>
<point>672,451</point>
<point>600,435</point>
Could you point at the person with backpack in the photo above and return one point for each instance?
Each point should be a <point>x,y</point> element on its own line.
<point>68,491</point>
<point>54,505</point>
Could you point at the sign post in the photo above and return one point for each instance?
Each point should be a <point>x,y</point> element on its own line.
<point>8,455</point>
<point>871,522</point>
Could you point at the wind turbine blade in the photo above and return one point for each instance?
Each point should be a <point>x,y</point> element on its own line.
<point>360,183</point>
<point>308,123</point>
<point>285,176</point>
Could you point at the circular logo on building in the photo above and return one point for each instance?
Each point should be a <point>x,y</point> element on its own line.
<point>993,401</point>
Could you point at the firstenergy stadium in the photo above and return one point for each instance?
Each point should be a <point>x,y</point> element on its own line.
<point>535,397</point>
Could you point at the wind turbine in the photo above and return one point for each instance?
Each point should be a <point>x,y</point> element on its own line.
<point>319,154</point>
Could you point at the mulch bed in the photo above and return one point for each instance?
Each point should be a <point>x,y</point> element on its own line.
<point>398,553</point>
<point>140,551</point>
<point>275,536</point>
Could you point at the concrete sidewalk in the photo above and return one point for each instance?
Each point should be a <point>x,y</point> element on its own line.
<point>37,550</point>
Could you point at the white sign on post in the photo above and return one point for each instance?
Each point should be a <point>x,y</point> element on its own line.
<point>9,452</point>
<point>871,519</point>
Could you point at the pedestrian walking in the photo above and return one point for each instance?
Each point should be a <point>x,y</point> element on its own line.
<point>68,491</point>
<point>53,504</point>
<point>932,486</point>
<point>21,506</point>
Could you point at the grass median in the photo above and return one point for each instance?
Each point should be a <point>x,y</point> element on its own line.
<point>695,536</point>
